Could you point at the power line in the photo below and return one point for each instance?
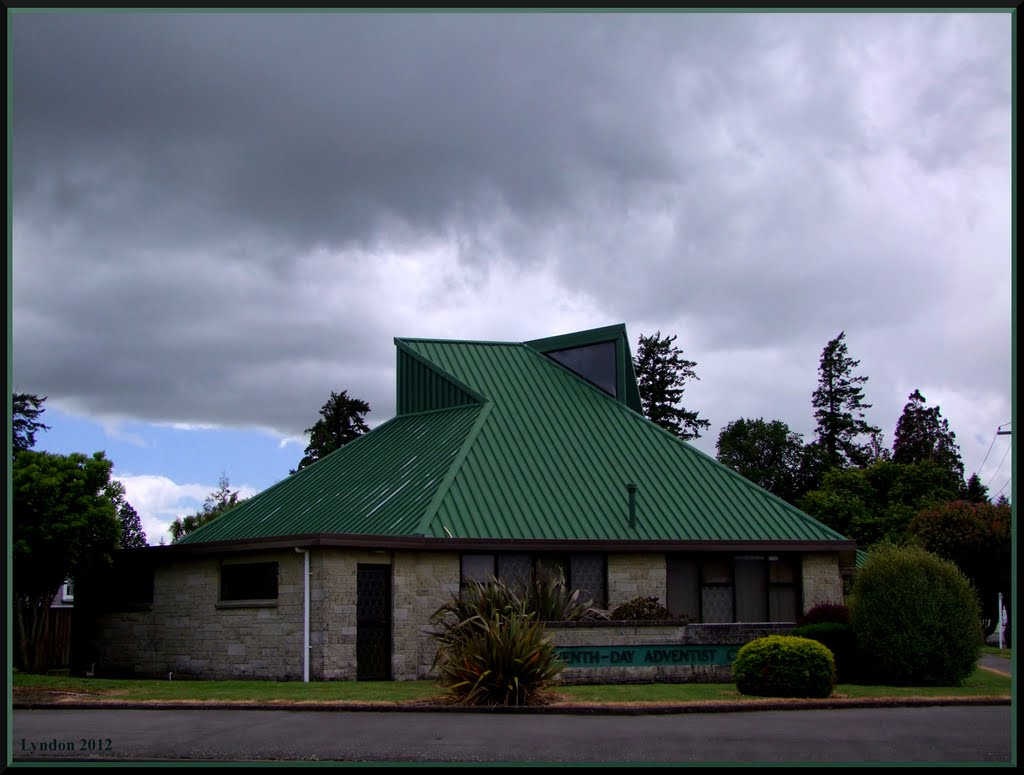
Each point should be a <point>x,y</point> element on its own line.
<point>999,432</point>
<point>998,467</point>
<point>982,466</point>
<point>1003,487</point>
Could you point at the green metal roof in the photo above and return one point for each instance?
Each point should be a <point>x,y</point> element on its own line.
<point>495,440</point>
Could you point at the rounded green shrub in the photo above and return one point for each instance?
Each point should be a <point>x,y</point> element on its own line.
<point>784,666</point>
<point>838,638</point>
<point>916,619</point>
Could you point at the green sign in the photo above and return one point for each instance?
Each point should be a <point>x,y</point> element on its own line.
<point>645,656</point>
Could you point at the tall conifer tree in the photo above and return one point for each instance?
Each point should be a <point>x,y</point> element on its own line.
<point>839,409</point>
<point>922,433</point>
<point>661,374</point>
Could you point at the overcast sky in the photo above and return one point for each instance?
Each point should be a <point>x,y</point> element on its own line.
<point>218,219</point>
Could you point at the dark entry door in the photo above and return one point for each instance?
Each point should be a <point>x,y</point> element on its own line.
<point>373,622</point>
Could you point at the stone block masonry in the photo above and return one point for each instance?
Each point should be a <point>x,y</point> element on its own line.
<point>822,582</point>
<point>635,575</point>
<point>188,632</point>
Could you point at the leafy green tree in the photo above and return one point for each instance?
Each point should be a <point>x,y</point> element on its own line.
<point>767,453</point>
<point>661,373</point>
<point>811,472</point>
<point>26,409</point>
<point>839,408</point>
<point>64,523</point>
<point>977,537</point>
<point>877,503</point>
<point>922,433</point>
<point>341,421</point>
<point>218,502</point>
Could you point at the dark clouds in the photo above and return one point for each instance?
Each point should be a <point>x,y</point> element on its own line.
<point>220,217</point>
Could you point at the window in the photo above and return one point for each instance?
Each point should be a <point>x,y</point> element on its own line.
<point>514,568</point>
<point>783,589</point>
<point>734,588</point>
<point>477,567</point>
<point>716,590</point>
<point>249,581</point>
<point>594,362</point>
<point>588,574</point>
<point>751,589</point>
<point>584,570</point>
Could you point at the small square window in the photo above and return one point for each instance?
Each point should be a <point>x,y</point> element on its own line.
<point>477,567</point>
<point>249,581</point>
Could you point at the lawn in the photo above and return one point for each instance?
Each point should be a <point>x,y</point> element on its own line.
<point>997,652</point>
<point>982,683</point>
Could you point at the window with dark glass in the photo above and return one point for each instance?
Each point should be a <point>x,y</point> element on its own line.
<point>249,581</point>
<point>716,590</point>
<point>734,588</point>
<point>594,362</point>
<point>585,571</point>
<point>588,573</point>
<point>514,568</point>
<point>783,589</point>
<point>751,589</point>
<point>682,576</point>
<point>552,566</point>
<point>477,567</point>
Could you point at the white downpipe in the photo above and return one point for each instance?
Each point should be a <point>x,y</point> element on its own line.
<point>1001,619</point>
<point>305,613</point>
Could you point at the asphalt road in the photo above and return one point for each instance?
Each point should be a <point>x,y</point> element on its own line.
<point>895,735</point>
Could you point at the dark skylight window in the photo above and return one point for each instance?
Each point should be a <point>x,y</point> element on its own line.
<point>594,362</point>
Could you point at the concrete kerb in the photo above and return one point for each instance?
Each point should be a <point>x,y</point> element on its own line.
<point>558,708</point>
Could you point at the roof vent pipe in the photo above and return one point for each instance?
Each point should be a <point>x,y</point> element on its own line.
<point>631,489</point>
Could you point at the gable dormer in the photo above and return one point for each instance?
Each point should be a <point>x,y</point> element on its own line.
<point>423,386</point>
<point>601,356</point>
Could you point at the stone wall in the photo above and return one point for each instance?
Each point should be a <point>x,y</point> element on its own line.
<point>635,575</point>
<point>822,581</point>
<point>189,633</point>
<point>672,636</point>
<point>423,582</point>
<point>333,609</point>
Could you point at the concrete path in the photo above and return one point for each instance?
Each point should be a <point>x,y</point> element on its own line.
<point>996,664</point>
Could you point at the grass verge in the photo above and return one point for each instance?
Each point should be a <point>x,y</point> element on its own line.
<point>997,652</point>
<point>982,683</point>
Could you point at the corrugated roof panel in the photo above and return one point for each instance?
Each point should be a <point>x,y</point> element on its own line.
<point>553,459</point>
<point>379,484</point>
<point>542,454</point>
<point>422,388</point>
